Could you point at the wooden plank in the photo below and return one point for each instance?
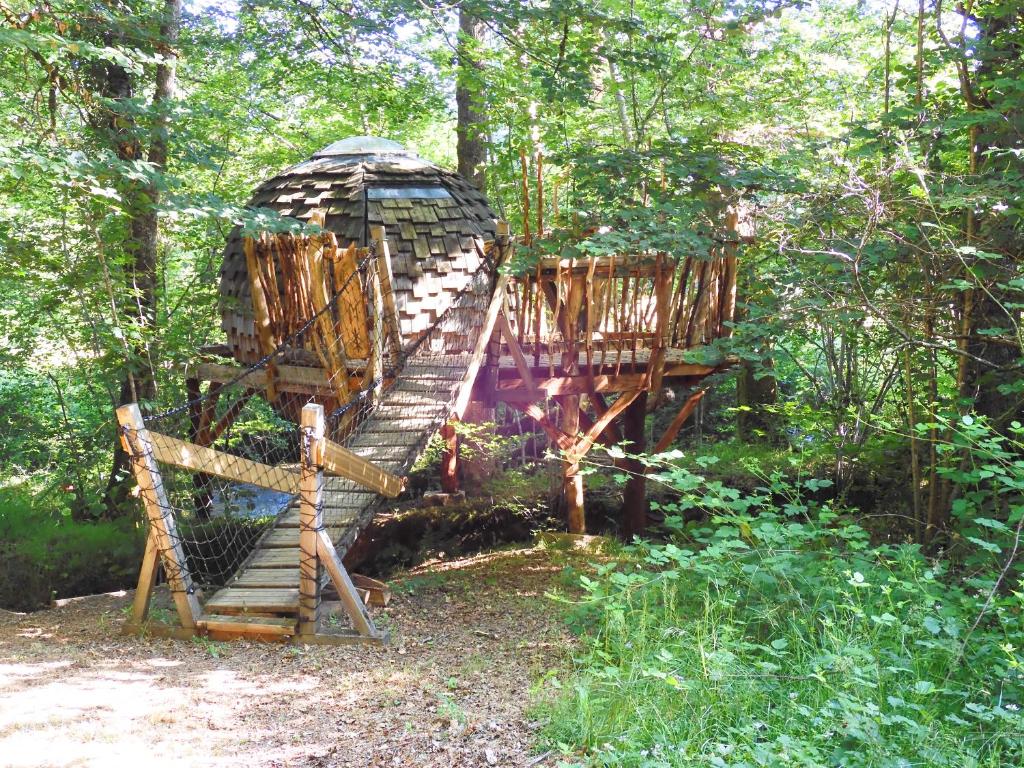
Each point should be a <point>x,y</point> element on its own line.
<point>311,450</point>
<point>284,537</point>
<point>274,558</point>
<point>264,578</point>
<point>476,360</point>
<point>239,600</point>
<point>289,377</point>
<point>332,518</point>
<point>407,438</point>
<point>514,391</point>
<point>382,455</point>
<point>138,443</point>
<point>354,606</point>
<point>340,461</point>
<point>147,578</point>
<point>196,458</point>
<point>248,625</point>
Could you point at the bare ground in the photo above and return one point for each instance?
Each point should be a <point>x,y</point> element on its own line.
<point>471,638</point>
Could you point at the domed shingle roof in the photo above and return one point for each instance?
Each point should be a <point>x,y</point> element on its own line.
<point>431,217</point>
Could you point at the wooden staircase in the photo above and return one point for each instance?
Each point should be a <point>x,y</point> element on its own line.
<point>263,596</point>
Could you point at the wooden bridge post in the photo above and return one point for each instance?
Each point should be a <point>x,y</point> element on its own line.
<point>162,529</point>
<point>450,459</point>
<point>572,480</point>
<point>311,497</point>
<point>634,497</point>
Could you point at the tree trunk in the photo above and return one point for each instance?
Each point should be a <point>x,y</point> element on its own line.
<point>470,128</point>
<point>634,497</point>
<point>755,422</point>
<point>987,384</point>
<point>138,383</point>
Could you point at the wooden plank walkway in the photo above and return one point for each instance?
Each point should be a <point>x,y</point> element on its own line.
<point>393,437</point>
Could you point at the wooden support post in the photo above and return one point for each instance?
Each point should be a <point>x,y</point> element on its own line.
<point>450,459</point>
<point>261,313</point>
<point>311,497</point>
<point>147,579</point>
<point>386,282</point>
<point>138,445</point>
<point>634,498</point>
<point>572,480</point>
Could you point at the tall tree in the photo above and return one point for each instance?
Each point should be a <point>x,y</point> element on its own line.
<point>470,129</point>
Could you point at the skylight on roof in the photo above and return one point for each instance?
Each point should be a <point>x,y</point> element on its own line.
<point>363,145</point>
<point>408,193</point>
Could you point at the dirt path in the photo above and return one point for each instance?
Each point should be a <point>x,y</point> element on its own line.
<point>470,639</point>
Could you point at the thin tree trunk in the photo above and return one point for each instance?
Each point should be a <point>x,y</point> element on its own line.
<point>471,148</point>
<point>141,248</point>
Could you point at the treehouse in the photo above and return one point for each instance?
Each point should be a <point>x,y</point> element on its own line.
<point>396,318</point>
<point>436,224</point>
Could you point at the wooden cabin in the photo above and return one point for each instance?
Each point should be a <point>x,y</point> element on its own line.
<point>435,220</point>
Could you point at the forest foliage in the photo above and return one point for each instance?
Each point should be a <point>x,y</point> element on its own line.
<point>874,153</point>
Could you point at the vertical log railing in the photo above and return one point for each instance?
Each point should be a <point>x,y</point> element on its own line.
<point>617,305</point>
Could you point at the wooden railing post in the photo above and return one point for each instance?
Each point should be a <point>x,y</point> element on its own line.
<point>163,530</point>
<point>375,354</point>
<point>378,235</point>
<point>311,494</point>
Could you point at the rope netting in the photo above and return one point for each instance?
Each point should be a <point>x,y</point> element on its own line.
<point>227,459</point>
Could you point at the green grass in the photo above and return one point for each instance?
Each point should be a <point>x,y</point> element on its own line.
<point>45,554</point>
<point>784,638</point>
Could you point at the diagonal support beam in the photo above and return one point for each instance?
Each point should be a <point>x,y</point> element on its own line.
<point>354,606</point>
<point>677,423</point>
<point>558,437</point>
<point>586,442</point>
<point>477,358</point>
<point>517,355</point>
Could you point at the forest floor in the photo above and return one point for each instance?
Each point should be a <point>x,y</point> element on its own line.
<point>470,640</point>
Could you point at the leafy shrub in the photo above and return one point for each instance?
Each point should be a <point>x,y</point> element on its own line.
<point>44,554</point>
<point>778,635</point>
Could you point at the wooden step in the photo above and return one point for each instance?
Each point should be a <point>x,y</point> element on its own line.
<point>252,600</point>
<point>402,425</point>
<point>430,402</point>
<point>286,578</point>
<point>332,518</point>
<point>405,439</point>
<point>377,454</point>
<point>274,558</point>
<point>281,537</point>
<point>248,625</point>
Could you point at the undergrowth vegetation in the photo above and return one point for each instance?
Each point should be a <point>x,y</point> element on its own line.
<point>778,634</point>
<point>44,553</point>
